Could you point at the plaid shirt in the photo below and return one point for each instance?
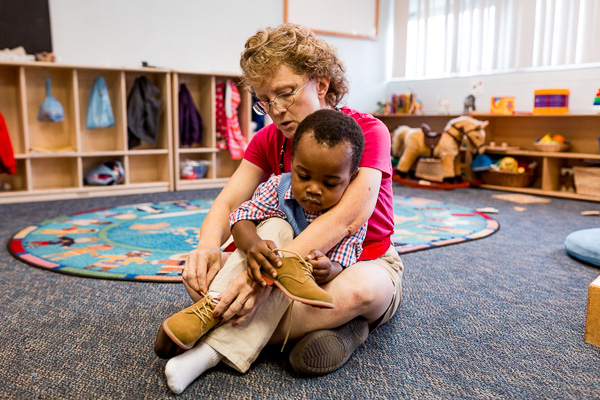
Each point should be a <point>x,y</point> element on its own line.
<point>265,204</point>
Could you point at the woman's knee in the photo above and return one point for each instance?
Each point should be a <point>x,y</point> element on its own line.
<point>368,290</point>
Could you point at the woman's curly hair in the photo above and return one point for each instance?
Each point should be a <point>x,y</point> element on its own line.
<point>298,48</point>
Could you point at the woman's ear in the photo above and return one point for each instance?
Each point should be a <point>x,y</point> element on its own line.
<point>323,86</point>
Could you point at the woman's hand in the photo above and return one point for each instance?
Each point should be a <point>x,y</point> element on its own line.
<point>324,269</point>
<point>201,266</point>
<point>241,299</point>
<point>261,256</point>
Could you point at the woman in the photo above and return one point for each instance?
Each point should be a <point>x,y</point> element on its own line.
<point>294,73</point>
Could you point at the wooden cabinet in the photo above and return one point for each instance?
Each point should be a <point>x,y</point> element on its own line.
<point>202,88</point>
<point>53,157</point>
<point>581,131</point>
<point>71,149</point>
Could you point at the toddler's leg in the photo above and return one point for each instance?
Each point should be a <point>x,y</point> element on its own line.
<point>240,344</point>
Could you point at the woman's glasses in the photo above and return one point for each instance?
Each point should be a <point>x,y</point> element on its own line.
<point>282,102</point>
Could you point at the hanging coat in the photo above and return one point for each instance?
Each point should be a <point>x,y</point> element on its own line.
<point>8,165</point>
<point>228,100</point>
<point>190,122</point>
<point>143,112</point>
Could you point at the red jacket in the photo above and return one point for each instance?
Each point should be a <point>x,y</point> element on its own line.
<point>7,158</point>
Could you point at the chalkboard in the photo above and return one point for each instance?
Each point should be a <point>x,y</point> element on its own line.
<point>25,23</point>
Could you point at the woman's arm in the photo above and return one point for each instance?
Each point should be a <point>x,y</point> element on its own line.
<point>205,261</point>
<point>346,217</point>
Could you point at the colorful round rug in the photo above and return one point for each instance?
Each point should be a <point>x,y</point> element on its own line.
<point>148,242</point>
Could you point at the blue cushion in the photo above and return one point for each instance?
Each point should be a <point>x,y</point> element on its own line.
<point>584,245</point>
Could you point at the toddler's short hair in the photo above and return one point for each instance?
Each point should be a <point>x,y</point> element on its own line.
<point>330,128</point>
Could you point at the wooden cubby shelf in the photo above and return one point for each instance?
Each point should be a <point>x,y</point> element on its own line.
<point>59,173</point>
<point>202,88</point>
<point>582,131</point>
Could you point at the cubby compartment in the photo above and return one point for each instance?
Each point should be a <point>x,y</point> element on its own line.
<point>201,88</point>
<point>148,168</point>
<point>11,106</point>
<point>104,139</point>
<point>202,165</point>
<point>163,83</point>
<point>54,173</point>
<point>90,163</point>
<point>14,182</point>
<point>225,165</point>
<point>51,136</point>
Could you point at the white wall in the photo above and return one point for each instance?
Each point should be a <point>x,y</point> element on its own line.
<point>583,83</point>
<point>197,35</point>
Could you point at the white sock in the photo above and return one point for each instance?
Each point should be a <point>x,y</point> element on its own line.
<point>185,368</point>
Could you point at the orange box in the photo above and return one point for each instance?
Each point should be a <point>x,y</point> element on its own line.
<point>503,105</point>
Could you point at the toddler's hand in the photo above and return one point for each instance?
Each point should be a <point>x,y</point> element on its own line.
<point>261,255</point>
<point>322,266</point>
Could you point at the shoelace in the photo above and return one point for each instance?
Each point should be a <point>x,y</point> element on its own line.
<point>205,311</point>
<point>308,270</point>
<point>305,265</point>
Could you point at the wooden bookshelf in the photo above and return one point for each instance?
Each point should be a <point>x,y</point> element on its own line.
<point>582,131</point>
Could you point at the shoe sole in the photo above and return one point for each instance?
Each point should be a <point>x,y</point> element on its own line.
<point>325,351</point>
<point>314,303</point>
<point>174,338</point>
<point>164,346</point>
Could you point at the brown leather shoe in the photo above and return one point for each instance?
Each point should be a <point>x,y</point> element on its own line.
<point>295,279</point>
<point>324,351</point>
<point>164,347</point>
<point>187,326</point>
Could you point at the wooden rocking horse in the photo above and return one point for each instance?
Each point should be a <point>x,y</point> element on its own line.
<point>409,144</point>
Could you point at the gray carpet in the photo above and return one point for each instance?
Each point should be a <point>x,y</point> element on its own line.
<point>501,317</point>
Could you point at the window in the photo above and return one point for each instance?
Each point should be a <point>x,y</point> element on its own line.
<point>435,38</point>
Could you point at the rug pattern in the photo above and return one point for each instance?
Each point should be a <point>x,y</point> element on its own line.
<point>149,241</point>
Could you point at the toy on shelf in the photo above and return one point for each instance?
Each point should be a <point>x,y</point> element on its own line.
<point>193,169</point>
<point>504,105</point>
<point>551,101</point>
<point>596,106</point>
<point>469,104</point>
<point>552,143</point>
<point>443,106</point>
<point>503,148</point>
<point>567,180</point>
<point>482,162</point>
<point>408,144</point>
<point>507,171</point>
<point>404,103</point>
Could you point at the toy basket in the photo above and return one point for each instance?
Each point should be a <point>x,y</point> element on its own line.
<point>507,178</point>
<point>587,180</point>
<point>551,147</point>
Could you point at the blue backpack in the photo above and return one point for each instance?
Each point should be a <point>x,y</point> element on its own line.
<point>51,110</point>
<point>99,111</point>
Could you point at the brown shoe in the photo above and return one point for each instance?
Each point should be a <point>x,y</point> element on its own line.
<point>325,351</point>
<point>187,326</point>
<point>296,281</point>
<point>164,347</point>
